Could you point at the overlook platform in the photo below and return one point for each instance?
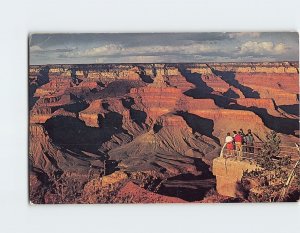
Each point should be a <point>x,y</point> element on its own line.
<point>230,166</point>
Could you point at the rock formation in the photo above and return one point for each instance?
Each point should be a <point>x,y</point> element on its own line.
<point>150,124</point>
<point>228,173</point>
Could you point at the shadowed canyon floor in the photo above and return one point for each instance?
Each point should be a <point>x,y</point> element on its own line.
<point>128,133</point>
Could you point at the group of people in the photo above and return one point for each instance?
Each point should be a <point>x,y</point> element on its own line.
<point>240,142</point>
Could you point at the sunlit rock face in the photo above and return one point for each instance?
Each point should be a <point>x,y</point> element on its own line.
<point>228,173</point>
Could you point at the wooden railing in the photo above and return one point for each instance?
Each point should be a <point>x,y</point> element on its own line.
<point>252,151</point>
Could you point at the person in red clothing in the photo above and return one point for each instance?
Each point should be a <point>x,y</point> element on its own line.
<point>238,139</point>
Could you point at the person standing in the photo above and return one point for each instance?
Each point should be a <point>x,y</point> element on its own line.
<point>234,134</point>
<point>229,144</point>
<point>250,141</point>
<point>244,148</point>
<point>238,140</point>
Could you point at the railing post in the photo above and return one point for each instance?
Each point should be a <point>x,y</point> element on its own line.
<point>222,150</point>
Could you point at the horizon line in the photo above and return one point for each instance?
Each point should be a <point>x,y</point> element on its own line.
<point>120,63</point>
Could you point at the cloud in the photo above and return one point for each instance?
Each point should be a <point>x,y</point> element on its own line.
<point>38,49</point>
<point>109,49</point>
<point>35,48</point>
<point>265,47</point>
<point>117,49</point>
<point>244,34</point>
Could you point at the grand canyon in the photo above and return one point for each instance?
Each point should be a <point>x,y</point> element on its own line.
<point>149,133</point>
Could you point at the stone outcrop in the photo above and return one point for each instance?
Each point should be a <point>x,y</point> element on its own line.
<point>259,103</point>
<point>92,114</point>
<point>46,107</point>
<point>226,120</point>
<point>155,100</point>
<point>228,174</point>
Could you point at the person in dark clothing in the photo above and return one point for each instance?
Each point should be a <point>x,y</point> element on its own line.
<point>243,140</point>
<point>242,133</point>
<point>234,134</point>
<point>250,141</point>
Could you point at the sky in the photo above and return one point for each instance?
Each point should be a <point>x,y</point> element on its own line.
<point>163,47</point>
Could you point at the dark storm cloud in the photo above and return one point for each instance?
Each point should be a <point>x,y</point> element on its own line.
<point>162,47</point>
